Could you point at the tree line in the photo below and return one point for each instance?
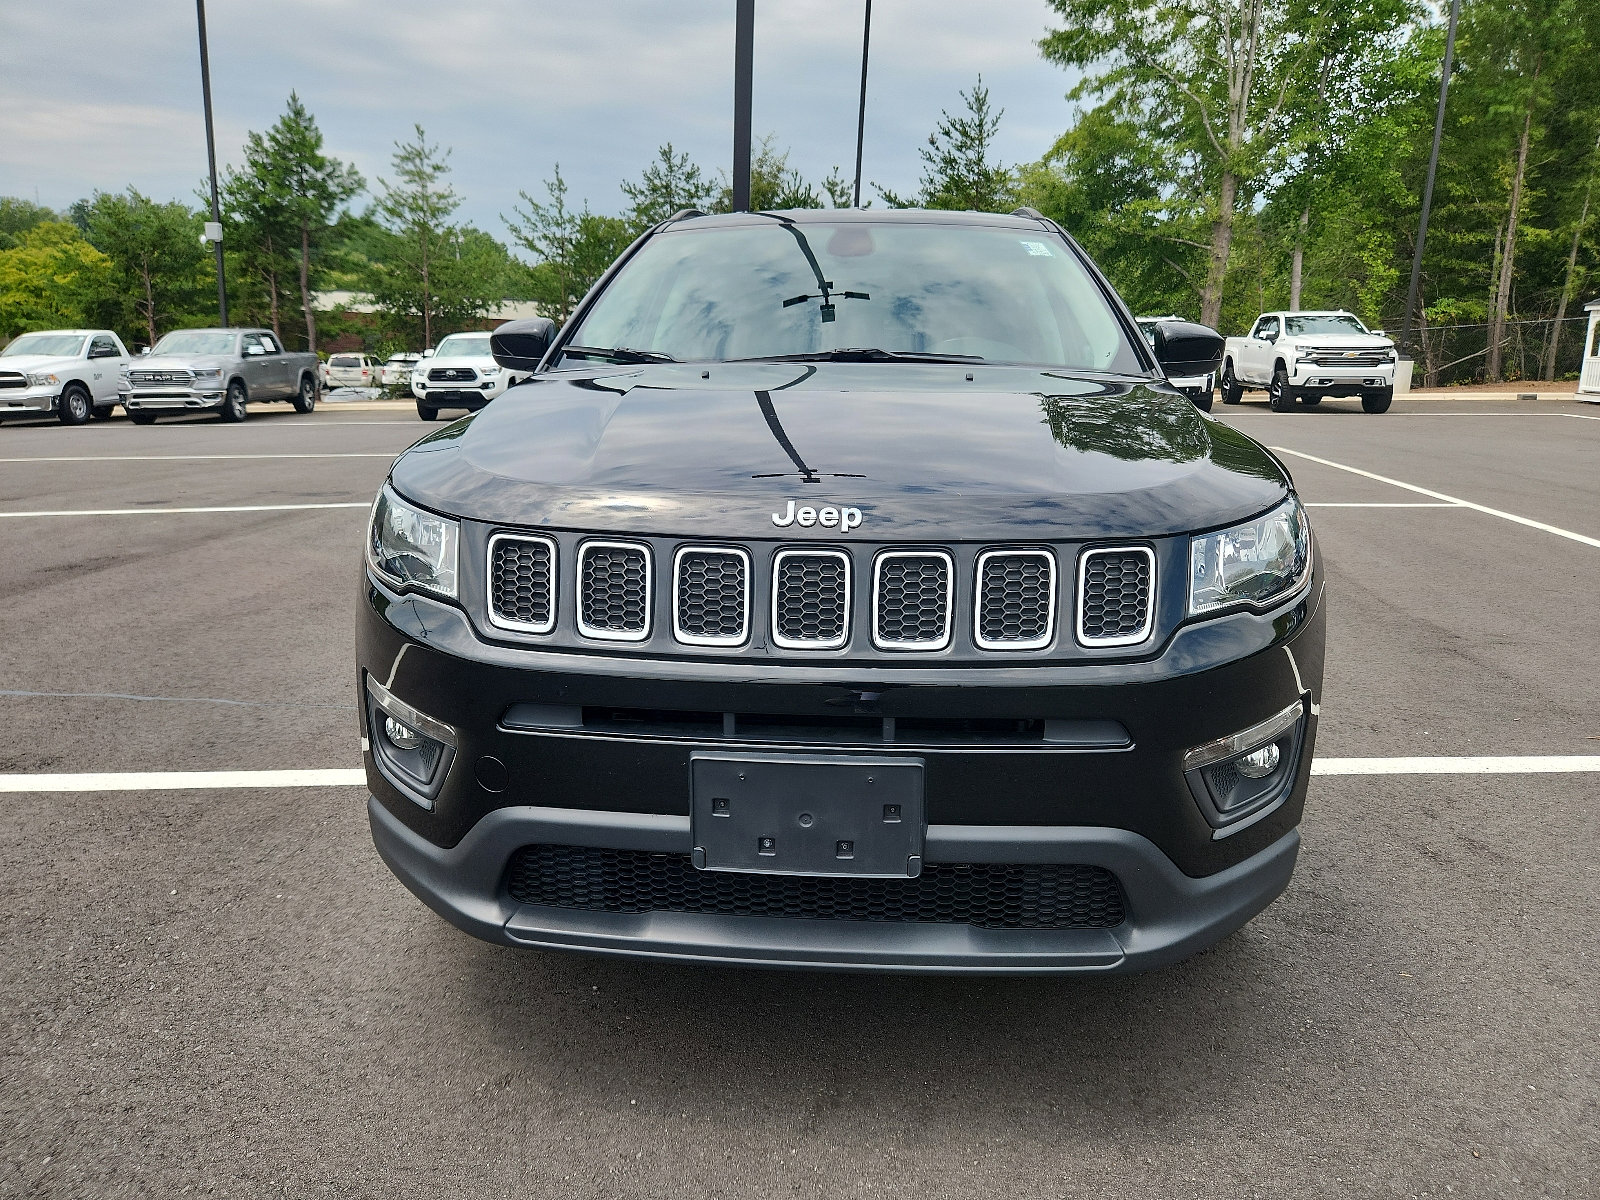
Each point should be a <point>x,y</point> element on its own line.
<point>1224,157</point>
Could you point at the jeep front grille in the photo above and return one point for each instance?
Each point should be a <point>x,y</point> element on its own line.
<point>911,600</point>
<point>811,599</point>
<point>1016,601</point>
<point>522,591</point>
<point>711,596</point>
<point>988,895</point>
<point>1115,586</point>
<point>614,591</point>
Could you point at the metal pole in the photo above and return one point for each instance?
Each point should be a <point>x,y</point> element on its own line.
<point>211,158</point>
<point>1427,188</point>
<point>744,42</point>
<point>861,113</point>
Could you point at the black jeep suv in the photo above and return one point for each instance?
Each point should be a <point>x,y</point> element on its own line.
<point>846,589</point>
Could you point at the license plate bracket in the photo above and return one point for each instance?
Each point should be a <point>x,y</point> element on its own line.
<point>807,814</point>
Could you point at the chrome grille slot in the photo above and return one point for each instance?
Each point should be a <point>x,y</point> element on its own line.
<point>522,583</point>
<point>1115,590</point>
<point>911,600</point>
<point>1016,602</point>
<point>614,591</point>
<point>711,596</point>
<point>811,599</point>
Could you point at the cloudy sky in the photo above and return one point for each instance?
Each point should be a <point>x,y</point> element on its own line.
<point>511,86</point>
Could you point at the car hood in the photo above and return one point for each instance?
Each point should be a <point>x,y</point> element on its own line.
<point>476,363</point>
<point>176,362</point>
<point>37,362</point>
<point>1345,341</point>
<point>922,451</point>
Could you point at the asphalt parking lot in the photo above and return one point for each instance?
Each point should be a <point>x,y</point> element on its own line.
<point>225,992</point>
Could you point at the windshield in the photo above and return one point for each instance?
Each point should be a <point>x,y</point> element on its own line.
<point>57,345</point>
<point>1324,323</point>
<point>197,341</point>
<point>781,288</point>
<point>465,345</point>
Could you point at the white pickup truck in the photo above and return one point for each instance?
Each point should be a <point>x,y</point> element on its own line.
<point>1300,357</point>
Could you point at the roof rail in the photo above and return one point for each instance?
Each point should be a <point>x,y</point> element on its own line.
<point>683,214</point>
<point>1025,211</point>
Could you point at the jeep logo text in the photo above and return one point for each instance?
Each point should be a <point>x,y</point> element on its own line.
<point>843,519</point>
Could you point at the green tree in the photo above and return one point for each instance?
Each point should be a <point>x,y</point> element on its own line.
<point>160,275</point>
<point>956,171</point>
<point>669,184</point>
<point>420,280</point>
<point>571,247</point>
<point>259,236</point>
<point>774,184</point>
<point>314,187</point>
<point>50,276</point>
<point>17,216</point>
<point>1224,70</point>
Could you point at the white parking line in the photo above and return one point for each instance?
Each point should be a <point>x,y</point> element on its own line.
<point>1376,504</point>
<point>167,781</point>
<point>1411,487</point>
<point>181,457</point>
<point>147,512</point>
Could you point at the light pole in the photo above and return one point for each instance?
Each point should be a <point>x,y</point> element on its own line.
<point>214,229</point>
<point>861,113</point>
<point>1427,188</point>
<point>744,38</point>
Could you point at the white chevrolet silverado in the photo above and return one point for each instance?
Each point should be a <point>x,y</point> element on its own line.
<point>1300,357</point>
<point>74,373</point>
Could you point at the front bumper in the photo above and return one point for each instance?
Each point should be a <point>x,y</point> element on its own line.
<point>1170,914</point>
<point>174,399</point>
<point>1341,380</point>
<point>1128,810</point>
<point>28,402</point>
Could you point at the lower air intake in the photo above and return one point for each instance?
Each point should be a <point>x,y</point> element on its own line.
<point>988,895</point>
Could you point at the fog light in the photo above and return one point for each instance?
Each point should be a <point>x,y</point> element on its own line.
<point>1258,764</point>
<point>413,750</point>
<point>401,737</point>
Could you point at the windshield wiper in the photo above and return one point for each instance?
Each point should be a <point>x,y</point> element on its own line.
<point>862,354</point>
<point>620,353</point>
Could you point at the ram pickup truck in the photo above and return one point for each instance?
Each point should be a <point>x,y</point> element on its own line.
<point>74,373</point>
<point>220,370</point>
<point>1304,356</point>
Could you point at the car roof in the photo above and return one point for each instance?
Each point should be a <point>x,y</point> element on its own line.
<point>865,216</point>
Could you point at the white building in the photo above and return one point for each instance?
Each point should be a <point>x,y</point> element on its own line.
<point>1589,372</point>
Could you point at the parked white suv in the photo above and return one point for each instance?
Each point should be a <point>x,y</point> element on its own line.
<point>349,370</point>
<point>397,371</point>
<point>74,373</point>
<point>462,373</point>
<point>1304,356</point>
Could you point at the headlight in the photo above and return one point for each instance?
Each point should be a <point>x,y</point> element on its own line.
<point>1253,563</point>
<point>412,548</point>
<point>488,371</point>
<point>42,380</point>
<point>208,373</point>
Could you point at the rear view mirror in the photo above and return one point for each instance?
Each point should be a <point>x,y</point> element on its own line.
<point>520,345</point>
<point>1184,348</point>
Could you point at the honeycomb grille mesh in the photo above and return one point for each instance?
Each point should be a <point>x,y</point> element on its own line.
<point>713,588</point>
<point>521,587</point>
<point>988,895</point>
<point>614,591</point>
<point>913,599</point>
<point>1014,598</point>
<point>811,598</point>
<point>1116,595</point>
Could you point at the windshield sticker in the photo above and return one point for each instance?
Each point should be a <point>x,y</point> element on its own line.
<point>1037,249</point>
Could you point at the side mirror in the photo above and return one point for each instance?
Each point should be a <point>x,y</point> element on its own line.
<point>520,345</point>
<point>1184,348</point>
<point>428,353</point>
